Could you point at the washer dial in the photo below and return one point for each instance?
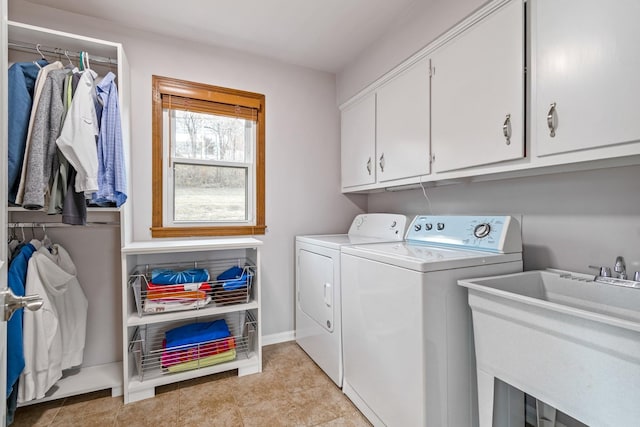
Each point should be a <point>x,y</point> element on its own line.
<point>482,230</point>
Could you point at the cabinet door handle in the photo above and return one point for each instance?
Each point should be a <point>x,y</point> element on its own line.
<point>551,120</point>
<point>369,165</point>
<point>381,163</point>
<point>506,129</point>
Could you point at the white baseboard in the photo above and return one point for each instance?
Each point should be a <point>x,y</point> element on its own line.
<point>278,338</point>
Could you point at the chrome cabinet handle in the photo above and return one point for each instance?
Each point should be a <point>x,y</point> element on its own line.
<point>506,129</point>
<point>551,120</point>
<point>369,165</point>
<point>381,163</point>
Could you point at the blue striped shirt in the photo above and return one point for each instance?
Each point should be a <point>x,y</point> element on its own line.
<point>112,180</point>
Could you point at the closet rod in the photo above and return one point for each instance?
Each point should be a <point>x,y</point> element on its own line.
<point>59,224</point>
<point>32,48</point>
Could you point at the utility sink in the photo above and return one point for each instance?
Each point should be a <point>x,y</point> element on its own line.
<point>561,337</point>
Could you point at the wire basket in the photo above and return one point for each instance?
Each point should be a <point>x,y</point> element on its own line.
<point>153,359</point>
<point>153,299</point>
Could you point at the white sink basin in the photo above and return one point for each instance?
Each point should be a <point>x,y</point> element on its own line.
<point>568,341</point>
<point>571,293</point>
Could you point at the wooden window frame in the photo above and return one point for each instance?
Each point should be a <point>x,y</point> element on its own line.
<point>231,97</point>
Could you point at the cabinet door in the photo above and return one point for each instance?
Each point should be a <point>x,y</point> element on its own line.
<point>402,130</point>
<point>586,62</point>
<point>358,142</point>
<point>477,93</point>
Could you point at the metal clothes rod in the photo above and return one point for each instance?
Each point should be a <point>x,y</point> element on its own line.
<point>59,224</point>
<point>33,48</point>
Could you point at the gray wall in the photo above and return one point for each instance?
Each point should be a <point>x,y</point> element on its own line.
<point>569,220</point>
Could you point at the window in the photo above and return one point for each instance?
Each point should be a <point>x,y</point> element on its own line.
<point>208,160</point>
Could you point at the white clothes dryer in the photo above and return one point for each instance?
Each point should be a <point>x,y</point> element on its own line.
<point>408,340</point>
<point>318,291</point>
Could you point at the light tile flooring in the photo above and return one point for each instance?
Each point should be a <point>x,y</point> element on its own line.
<point>291,391</point>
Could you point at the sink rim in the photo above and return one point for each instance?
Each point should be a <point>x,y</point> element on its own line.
<point>476,284</point>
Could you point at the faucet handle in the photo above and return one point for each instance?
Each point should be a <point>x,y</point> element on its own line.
<point>620,267</point>
<point>603,271</point>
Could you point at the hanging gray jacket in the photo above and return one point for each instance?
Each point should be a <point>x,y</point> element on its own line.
<point>46,129</point>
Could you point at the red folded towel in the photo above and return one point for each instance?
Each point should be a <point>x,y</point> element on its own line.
<point>175,355</point>
<point>204,286</point>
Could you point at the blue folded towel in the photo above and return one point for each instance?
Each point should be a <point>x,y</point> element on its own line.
<point>162,276</point>
<point>195,333</point>
<point>233,278</point>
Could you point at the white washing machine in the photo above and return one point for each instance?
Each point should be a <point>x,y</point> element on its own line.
<point>318,294</point>
<point>407,331</point>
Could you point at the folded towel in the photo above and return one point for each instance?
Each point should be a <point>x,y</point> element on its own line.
<point>233,278</point>
<point>161,276</point>
<point>176,295</point>
<point>178,305</point>
<point>204,362</point>
<point>204,286</point>
<point>195,333</point>
<point>172,357</point>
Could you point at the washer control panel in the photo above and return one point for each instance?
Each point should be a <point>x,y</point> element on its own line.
<point>489,233</point>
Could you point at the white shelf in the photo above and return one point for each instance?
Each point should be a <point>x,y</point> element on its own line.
<point>146,252</point>
<point>89,209</point>
<point>135,320</point>
<point>164,246</point>
<point>19,32</point>
<point>137,385</point>
<point>87,380</point>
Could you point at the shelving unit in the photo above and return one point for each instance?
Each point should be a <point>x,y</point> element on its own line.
<point>95,250</point>
<point>142,333</point>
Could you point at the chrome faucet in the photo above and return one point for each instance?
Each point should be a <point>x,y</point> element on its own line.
<point>620,279</point>
<point>620,268</point>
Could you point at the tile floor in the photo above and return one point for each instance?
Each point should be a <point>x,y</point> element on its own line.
<point>291,391</point>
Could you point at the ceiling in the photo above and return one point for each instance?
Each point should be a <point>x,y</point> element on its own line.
<point>320,34</point>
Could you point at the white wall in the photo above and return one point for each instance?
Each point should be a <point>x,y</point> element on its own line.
<point>420,25</point>
<point>302,139</point>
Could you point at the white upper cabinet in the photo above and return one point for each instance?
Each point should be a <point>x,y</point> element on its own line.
<point>477,90</point>
<point>385,133</point>
<point>587,64</point>
<point>358,138</point>
<point>402,125</point>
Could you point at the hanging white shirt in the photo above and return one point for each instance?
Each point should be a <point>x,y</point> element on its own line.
<point>54,336</point>
<point>77,141</point>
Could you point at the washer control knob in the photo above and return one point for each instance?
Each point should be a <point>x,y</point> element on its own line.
<point>482,230</point>
<point>440,226</point>
<point>428,226</point>
<point>417,227</point>
<point>393,224</point>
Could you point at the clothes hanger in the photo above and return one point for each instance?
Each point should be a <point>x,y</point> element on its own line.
<point>12,234</point>
<point>42,57</point>
<point>66,53</point>
<point>40,52</point>
<point>46,242</point>
<point>85,61</point>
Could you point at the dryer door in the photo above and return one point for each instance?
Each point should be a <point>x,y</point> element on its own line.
<point>316,291</point>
